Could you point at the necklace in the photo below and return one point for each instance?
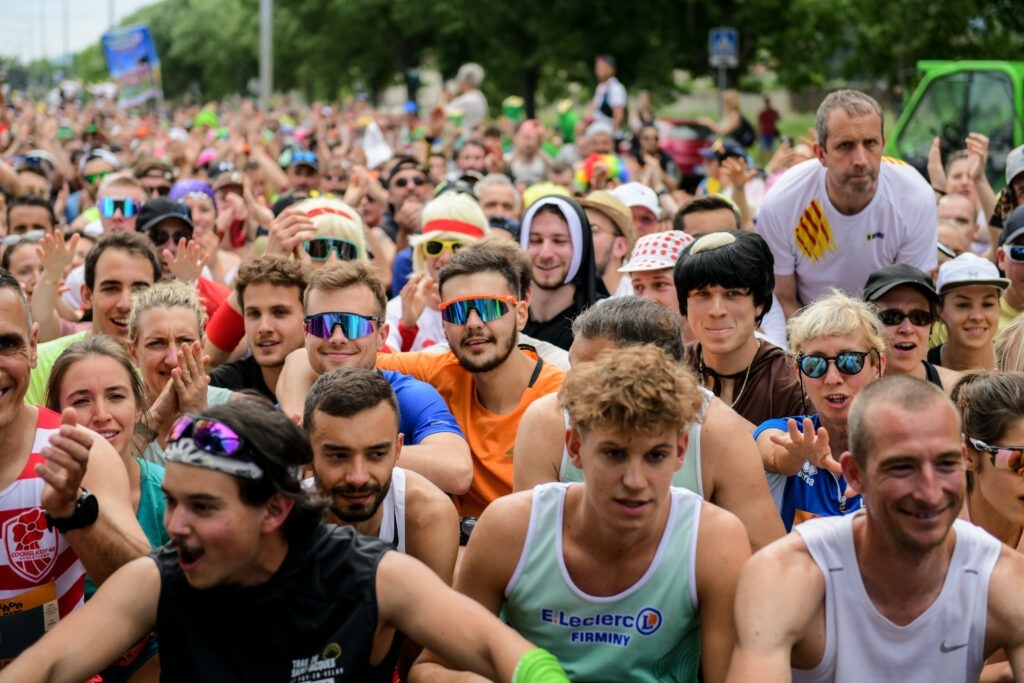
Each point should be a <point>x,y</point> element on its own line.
<point>706,372</point>
<point>842,497</point>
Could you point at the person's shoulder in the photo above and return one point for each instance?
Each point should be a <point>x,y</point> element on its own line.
<point>53,348</point>
<point>424,501</point>
<point>904,178</point>
<point>794,185</point>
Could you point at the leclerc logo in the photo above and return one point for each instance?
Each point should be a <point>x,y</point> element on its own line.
<point>648,620</point>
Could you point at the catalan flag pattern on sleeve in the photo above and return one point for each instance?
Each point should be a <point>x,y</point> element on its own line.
<point>813,233</point>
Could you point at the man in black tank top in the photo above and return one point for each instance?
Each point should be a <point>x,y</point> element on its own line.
<point>255,587</point>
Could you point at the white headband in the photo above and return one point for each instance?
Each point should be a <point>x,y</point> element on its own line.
<point>186,452</point>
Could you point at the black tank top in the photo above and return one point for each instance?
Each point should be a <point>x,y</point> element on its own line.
<point>931,374</point>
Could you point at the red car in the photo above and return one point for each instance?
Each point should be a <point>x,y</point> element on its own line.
<point>683,139</point>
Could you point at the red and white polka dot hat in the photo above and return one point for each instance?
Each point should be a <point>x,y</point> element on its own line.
<point>656,251</point>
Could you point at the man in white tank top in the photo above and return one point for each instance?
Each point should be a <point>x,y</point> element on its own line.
<point>622,577</point>
<point>900,591</point>
<point>351,416</point>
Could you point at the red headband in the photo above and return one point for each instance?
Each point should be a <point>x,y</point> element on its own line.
<point>313,213</point>
<point>460,227</point>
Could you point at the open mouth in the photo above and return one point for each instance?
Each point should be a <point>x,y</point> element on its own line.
<point>837,400</point>
<point>188,558</point>
<point>110,435</point>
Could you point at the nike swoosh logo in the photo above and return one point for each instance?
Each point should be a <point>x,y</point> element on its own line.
<point>943,648</point>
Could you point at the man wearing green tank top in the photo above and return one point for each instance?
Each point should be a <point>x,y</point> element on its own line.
<point>622,576</point>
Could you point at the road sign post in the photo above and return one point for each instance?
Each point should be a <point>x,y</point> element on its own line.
<point>723,54</point>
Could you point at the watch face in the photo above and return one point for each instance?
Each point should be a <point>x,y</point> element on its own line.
<point>88,509</point>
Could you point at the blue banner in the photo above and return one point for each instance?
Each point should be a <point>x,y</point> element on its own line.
<point>133,65</point>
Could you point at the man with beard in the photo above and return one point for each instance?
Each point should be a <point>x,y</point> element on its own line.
<point>832,221</point>
<point>487,381</point>
<point>557,237</point>
<point>351,416</point>
<point>345,323</point>
<point>900,591</point>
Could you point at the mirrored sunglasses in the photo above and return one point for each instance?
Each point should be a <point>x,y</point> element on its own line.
<point>489,308</point>
<point>1015,253</point>
<point>353,325</point>
<point>1003,457</point>
<point>209,435</point>
<point>320,248</point>
<point>847,362</point>
<point>110,205</point>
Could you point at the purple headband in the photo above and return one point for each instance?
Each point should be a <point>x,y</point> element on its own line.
<point>184,188</point>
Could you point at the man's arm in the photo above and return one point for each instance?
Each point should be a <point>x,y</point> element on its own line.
<point>115,538</point>
<point>770,623</point>
<point>96,634</point>
<point>734,476</point>
<point>487,565</point>
<point>540,439</point>
<point>1004,627</point>
<point>444,458</point>
<point>431,525</point>
<point>297,376</point>
<point>786,293</point>
<point>722,548</point>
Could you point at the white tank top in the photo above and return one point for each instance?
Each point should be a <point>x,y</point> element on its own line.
<point>392,520</point>
<point>945,643</point>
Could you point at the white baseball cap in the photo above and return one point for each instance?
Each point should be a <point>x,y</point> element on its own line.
<point>637,194</point>
<point>968,269</point>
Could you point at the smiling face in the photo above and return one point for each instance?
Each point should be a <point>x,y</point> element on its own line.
<point>26,265</point>
<point>273,322</point>
<point>550,250</point>
<point>17,355</point>
<point>119,275</point>
<point>353,460</point>
<point>100,391</point>
<point>656,285</point>
<point>832,393</point>
<point>913,481</point>
<point>338,351</point>
<point>480,346</point>
<point>971,315</point>
<point>628,475</point>
<point>723,319</point>
<point>1002,489</point>
<point>162,333</point>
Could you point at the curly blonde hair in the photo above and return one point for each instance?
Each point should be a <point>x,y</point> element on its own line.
<point>835,315</point>
<point>167,294</point>
<point>631,389</point>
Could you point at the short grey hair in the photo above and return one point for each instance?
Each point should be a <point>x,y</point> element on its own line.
<point>853,103</point>
<point>472,74</point>
<point>498,180</point>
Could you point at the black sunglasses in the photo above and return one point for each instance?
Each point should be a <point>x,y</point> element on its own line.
<point>160,237</point>
<point>418,181</point>
<point>917,317</point>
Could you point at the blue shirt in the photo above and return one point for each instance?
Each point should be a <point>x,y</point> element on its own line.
<point>401,270</point>
<point>421,410</point>
<point>811,492</point>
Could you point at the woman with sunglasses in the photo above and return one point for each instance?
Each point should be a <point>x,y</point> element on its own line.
<point>907,301</point>
<point>337,232</point>
<point>451,221</point>
<point>991,409</point>
<point>839,348</point>
<point>96,378</point>
<point>165,337</point>
<point>969,289</point>
<point>198,196</point>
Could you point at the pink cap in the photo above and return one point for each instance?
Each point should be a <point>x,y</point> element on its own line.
<point>656,251</point>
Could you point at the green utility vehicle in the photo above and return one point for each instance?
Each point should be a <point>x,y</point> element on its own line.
<point>955,98</point>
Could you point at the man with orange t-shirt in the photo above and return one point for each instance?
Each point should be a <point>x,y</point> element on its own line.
<point>487,381</point>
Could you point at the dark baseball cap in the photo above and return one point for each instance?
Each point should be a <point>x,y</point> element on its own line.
<point>1013,227</point>
<point>884,279</point>
<point>403,163</point>
<point>723,149</point>
<point>161,208</point>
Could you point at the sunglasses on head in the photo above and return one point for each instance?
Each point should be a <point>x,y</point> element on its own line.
<point>489,308</point>
<point>209,435</point>
<point>110,205</point>
<point>437,247</point>
<point>353,325</point>
<point>847,362</point>
<point>917,317</point>
<point>30,236</point>
<point>320,248</point>
<point>161,237</point>
<point>93,178</point>
<point>418,181</point>
<point>1003,457</point>
<point>1015,252</point>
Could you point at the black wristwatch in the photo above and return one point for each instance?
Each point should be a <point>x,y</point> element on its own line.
<point>87,510</point>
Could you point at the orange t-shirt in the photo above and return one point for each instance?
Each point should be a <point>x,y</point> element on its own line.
<point>491,437</point>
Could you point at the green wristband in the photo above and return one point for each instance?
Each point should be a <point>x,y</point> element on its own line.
<point>539,666</point>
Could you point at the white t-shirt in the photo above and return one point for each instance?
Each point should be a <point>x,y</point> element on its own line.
<point>473,106</point>
<point>616,98</point>
<point>430,328</point>
<point>826,249</point>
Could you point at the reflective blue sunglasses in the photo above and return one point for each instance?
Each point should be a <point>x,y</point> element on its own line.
<point>489,308</point>
<point>127,205</point>
<point>847,362</point>
<point>353,325</point>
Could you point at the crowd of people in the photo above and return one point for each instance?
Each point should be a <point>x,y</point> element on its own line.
<point>331,393</point>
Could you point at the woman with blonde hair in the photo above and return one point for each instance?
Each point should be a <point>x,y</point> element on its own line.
<point>451,221</point>
<point>1010,347</point>
<point>338,233</point>
<point>839,349</point>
